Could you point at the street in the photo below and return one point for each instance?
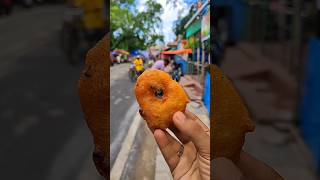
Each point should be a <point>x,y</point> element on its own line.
<point>123,107</point>
<point>131,142</point>
<point>43,134</point>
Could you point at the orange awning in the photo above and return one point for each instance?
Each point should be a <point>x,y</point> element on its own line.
<point>121,51</point>
<point>180,51</point>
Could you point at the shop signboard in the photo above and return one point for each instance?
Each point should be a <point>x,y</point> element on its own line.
<point>205,26</point>
<point>193,28</point>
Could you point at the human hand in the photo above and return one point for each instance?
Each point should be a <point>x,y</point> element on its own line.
<point>189,159</point>
<point>247,168</point>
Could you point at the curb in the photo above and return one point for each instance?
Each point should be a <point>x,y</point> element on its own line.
<point>123,155</point>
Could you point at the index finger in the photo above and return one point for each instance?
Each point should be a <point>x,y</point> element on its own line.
<point>182,136</point>
<point>192,116</point>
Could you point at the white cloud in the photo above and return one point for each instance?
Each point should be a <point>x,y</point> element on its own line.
<point>170,14</point>
<point>141,7</point>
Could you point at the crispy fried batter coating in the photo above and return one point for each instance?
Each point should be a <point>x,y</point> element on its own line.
<point>230,118</point>
<point>94,91</point>
<point>159,97</point>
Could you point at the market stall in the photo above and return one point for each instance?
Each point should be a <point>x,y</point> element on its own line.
<point>198,38</point>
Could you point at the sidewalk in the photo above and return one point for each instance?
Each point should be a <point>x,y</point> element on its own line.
<point>271,96</point>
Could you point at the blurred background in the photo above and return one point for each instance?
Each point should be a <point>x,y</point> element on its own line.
<point>43,133</point>
<point>271,49</point>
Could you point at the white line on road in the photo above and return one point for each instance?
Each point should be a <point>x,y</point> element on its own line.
<point>25,124</point>
<point>127,97</point>
<point>117,101</point>
<point>123,155</point>
<point>121,133</point>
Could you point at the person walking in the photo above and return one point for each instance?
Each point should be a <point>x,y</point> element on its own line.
<point>159,64</point>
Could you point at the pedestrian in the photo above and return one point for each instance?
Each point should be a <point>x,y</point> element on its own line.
<point>159,64</point>
<point>119,59</point>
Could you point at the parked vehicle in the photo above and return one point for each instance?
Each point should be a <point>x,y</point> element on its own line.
<point>132,73</point>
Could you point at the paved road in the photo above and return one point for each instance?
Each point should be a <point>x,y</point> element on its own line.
<point>123,107</point>
<point>132,146</point>
<point>42,132</point>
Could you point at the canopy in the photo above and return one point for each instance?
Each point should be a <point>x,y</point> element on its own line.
<point>121,51</point>
<point>145,54</point>
<point>180,51</point>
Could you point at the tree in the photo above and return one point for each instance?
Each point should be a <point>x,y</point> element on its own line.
<point>131,29</point>
<point>178,27</point>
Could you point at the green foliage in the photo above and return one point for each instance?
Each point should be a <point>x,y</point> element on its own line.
<point>178,27</point>
<point>135,30</point>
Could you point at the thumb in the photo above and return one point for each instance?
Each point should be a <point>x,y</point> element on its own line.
<point>192,129</point>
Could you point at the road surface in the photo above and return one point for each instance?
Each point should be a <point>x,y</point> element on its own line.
<point>123,107</point>
<point>42,132</point>
<point>132,147</point>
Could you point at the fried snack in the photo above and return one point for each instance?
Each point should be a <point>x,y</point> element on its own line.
<point>230,118</point>
<point>94,97</point>
<point>159,98</point>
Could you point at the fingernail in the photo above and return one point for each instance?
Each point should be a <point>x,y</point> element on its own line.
<point>179,116</point>
<point>157,132</point>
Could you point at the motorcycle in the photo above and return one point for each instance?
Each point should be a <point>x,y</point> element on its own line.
<point>133,73</point>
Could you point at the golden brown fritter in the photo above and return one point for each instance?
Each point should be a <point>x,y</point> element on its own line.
<point>94,96</point>
<point>230,119</point>
<point>159,97</point>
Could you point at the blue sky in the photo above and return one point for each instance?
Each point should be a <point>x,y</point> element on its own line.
<point>169,15</point>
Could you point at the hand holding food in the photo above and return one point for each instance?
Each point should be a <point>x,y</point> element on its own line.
<point>159,98</point>
<point>163,105</point>
<point>189,160</point>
